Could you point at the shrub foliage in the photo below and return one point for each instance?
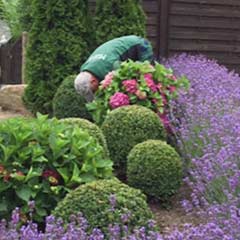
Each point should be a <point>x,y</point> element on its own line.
<point>103,202</point>
<point>67,102</point>
<point>92,129</point>
<point>118,18</point>
<point>127,126</point>
<point>42,159</point>
<point>155,168</point>
<point>58,43</point>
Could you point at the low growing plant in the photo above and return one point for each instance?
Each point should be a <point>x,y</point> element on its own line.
<point>106,202</point>
<point>43,159</point>
<point>76,229</point>
<point>136,83</point>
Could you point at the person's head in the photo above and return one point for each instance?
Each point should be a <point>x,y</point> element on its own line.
<point>86,84</point>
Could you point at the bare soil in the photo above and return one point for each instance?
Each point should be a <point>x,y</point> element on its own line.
<point>8,114</point>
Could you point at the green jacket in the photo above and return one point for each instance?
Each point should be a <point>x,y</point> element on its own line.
<point>108,56</point>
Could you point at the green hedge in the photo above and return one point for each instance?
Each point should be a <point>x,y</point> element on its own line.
<point>155,168</point>
<point>118,18</point>
<point>59,41</point>
<point>127,126</point>
<point>68,103</point>
<point>103,202</point>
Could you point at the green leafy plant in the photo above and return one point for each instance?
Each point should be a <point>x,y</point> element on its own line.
<point>137,83</point>
<point>68,103</point>
<point>155,168</point>
<point>92,129</point>
<point>116,18</point>
<point>105,202</point>
<point>127,126</point>
<point>59,42</point>
<point>43,159</point>
<point>9,13</point>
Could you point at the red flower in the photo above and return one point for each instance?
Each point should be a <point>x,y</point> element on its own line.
<point>52,176</point>
<point>2,169</point>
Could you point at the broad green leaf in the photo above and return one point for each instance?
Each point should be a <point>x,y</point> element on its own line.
<point>24,192</point>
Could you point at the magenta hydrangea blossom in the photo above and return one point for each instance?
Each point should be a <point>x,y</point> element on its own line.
<point>150,83</point>
<point>130,85</point>
<point>119,99</point>
<point>107,80</point>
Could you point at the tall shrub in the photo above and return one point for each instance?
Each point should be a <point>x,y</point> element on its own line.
<point>58,44</point>
<point>115,18</point>
<point>24,8</point>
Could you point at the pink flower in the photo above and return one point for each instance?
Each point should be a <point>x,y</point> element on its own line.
<point>119,99</point>
<point>150,83</point>
<point>141,95</point>
<point>172,89</point>
<point>107,80</point>
<point>130,85</point>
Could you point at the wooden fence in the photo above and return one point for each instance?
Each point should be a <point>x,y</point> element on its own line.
<point>11,63</point>
<point>209,27</point>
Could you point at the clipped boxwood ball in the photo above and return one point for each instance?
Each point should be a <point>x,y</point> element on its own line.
<point>156,168</point>
<point>127,126</point>
<point>104,202</point>
<point>68,103</point>
<point>92,129</point>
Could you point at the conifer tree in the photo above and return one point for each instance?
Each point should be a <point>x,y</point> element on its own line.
<point>59,41</point>
<point>115,18</point>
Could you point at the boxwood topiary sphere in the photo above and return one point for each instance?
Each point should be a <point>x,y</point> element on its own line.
<point>104,202</point>
<point>156,168</point>
<point>127,126</point>
<point>92,129</point>
<point>68,103</point>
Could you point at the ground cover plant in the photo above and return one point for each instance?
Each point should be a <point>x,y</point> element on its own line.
<point>106,202</point>
<point>42,159</point>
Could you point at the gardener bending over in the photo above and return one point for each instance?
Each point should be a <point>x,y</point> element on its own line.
<point>107,58</point>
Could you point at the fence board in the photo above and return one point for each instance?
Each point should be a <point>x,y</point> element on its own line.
<point>11,63</point>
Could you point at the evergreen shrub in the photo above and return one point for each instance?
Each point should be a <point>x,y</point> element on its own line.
<point>104,202</point>
<point>127,126</point>
<point>118,18</point>
<point>67,102</point>
<point>155,168</point>
<point>59,41</point>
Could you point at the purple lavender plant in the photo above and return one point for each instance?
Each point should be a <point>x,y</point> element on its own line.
<point>206,123</point>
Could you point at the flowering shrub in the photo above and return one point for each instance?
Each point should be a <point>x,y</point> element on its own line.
<point>105,202</point>
<point>77,229</point>
<point>207,123</point>
<point>42,159</point>
<point>136,83</point>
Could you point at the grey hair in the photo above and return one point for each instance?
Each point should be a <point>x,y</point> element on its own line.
<point>82,84</point>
